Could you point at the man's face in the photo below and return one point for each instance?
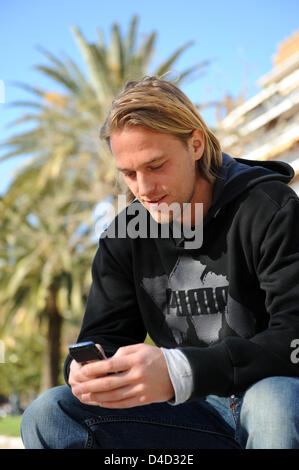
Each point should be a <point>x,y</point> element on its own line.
<point>158,168</point>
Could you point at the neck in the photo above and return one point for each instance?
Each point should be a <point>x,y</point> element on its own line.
<point>203,194</point>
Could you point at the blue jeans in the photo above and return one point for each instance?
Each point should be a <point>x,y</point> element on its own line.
<point>264,417</point>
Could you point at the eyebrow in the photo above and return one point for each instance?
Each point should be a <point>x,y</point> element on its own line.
<point>152,160</point>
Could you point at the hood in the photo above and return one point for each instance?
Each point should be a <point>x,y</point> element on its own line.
<point>236,175</point>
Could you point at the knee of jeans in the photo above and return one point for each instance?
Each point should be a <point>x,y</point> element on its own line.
<point>271,400</point>
<point>269,414</point>
<point>34,414</point>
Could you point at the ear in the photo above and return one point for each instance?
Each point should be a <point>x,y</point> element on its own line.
<point>197,143</point>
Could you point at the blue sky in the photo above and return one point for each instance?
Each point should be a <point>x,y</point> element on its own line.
<point>239,37</point>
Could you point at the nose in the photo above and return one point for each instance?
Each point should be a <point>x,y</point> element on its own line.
<point>146,185</point>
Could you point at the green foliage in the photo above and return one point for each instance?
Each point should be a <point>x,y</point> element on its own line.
<point>148,340</point>
<point>10,426</point>
<point>20,373</point>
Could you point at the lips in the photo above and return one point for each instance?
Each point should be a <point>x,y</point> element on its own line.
<point>155,201</point>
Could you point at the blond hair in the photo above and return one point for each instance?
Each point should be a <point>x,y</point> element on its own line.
<point>161,106</point>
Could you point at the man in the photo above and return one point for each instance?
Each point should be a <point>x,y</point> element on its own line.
<point>222,313</point>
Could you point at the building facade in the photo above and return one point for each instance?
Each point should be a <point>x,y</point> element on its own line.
<point>266,127</point>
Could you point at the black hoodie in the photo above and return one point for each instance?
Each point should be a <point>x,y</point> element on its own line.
<point>231,305</point>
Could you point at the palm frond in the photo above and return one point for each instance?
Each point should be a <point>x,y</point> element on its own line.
<point>96,64</point>
<point>166,66</point>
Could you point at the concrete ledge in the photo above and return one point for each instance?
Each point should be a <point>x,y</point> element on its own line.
<point>7,442</point>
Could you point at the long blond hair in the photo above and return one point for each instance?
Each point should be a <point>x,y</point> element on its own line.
<point>161,106</point>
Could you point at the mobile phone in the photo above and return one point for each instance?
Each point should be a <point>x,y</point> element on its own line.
<point>85,352</point>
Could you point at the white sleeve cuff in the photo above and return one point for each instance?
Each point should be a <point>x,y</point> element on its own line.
<point>180,374</point>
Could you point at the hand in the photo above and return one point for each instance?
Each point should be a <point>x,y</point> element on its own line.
<point>75,368</point>
<point>139,376</point>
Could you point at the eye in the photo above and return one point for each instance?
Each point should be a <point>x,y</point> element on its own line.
<point>156,167</point>
<point>129,174</point>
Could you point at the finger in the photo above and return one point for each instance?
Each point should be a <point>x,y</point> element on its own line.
<point>82,375</point>
<point>75,373</point>
<point>86,400</point>
<point>126,403</point>
<point>101,350</point>
<point>108,366</point>
<point>103,384</point>
<point>125,350</point>
<point>115,396</point>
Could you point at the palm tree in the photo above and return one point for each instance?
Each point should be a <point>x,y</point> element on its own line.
<point>46,244</point>
<point>67,123</point>
<point>45,279</point>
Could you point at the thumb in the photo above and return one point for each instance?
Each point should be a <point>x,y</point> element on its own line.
<point>101,350</point>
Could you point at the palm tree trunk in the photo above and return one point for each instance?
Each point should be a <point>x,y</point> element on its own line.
<point>51,364</point>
